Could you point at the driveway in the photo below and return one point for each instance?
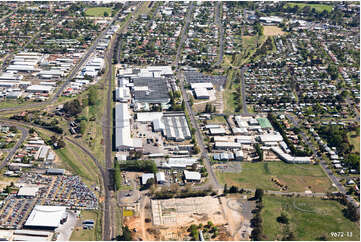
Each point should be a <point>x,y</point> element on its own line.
<point>65,230</point>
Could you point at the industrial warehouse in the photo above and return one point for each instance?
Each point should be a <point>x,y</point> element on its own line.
<point>179,121</point>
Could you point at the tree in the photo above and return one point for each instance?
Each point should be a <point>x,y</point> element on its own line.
<point>259,152</point>
<point>7,189</point>
<point>351,212</point>
<point>290,237</point>
<point>282,219</point>
<point>259,194</point>
<point>53,139</point>
<point>150,182</point>
<point>82,127</point>
<point>106,14</point>
<point>72,108</point>
<point>332,71</point>
<point>61,143</point>
<point>92,96</point>
<point>210,224</point>
<point>31,130</point>
<point>126,236</point>
<point>117,175</point>
<point>256,234</point>
<point>233,189</point>
<point>13,129</point>
<point>191,101</point>
<point>225,189</point>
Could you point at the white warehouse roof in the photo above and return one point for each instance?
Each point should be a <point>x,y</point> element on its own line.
<point>271,138</point>
<point>206,85</point>
<point>149,116</point>
<point>192,175</point>
<point>28,191</point>
<point>146,177</point>
<point>39,88</point>
<point>46,216</point>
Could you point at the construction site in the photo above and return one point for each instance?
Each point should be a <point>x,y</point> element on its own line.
<point>170,219</point>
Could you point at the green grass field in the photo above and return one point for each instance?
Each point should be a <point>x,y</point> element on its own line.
<point>317,7</point>
<point>298,178</point>
<point>354,139</point>
<point>322,218</point>
<point>217,120</point>
<point>98,12</point>
<point>80,234</point>
<point>228,93</point>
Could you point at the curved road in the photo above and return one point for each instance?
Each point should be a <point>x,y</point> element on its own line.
<point>24,134</point>
<point>104,176</point>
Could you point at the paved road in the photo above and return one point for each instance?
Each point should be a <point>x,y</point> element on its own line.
<point>183,35</point>
<point>24,134</point>
<point>219,23</point>
<point>71,75</point>
<point>124,28</point>
<point>104,177</point>
<point>323,164</point>
<point>65,230</point>
<point>212,179</point>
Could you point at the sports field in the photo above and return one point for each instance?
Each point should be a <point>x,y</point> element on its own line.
<point>98,12</point>
<point>298,178</point>
<point>309,219</point>
<point>317,7</point>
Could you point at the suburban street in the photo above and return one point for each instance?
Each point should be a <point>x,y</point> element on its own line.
<point>183,35</point>
<point>70,76</point>
<point>323,164</point>
<point>180,121</point>
<point>24,134</point>
<point>220,32</point>
<point>199,138</point>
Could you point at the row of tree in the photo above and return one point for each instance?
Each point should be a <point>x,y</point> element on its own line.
<point>256,222</point>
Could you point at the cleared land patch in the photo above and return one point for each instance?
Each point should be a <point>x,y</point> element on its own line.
<point>272,31</point>
<point>298,178</point>
<point>322,218</point>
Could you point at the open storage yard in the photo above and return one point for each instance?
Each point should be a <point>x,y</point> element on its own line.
<point>177,212</point>
<point>298,178</point>
<point>170,219</point>
<point>309,219</point>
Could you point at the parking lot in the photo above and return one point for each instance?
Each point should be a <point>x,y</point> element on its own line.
<point>14,212</point>
<point>63,190</point>
<point>229,167</point>
<point>67,191</point>
<point>153,142</point>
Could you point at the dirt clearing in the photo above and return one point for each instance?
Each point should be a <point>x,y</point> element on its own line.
<point>272,31</point>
